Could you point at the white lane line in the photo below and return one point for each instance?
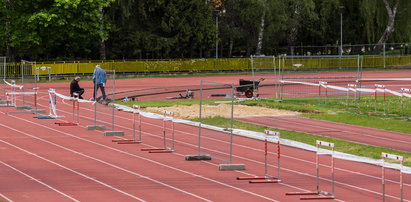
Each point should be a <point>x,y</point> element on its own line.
<point>123,152</point>
<point>64,167</point>
<point>40,182</point>
<point>4,197</point>
<point>290,170</point>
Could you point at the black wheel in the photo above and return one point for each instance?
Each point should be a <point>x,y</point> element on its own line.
<point>248,93</point>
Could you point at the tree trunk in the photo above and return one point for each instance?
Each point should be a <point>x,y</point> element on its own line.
<point>292,36</point>
<point>260,35</point>
<point>390,26</point>
<point>102,41</point>
<point>9,49</point>
<point>230,48</point>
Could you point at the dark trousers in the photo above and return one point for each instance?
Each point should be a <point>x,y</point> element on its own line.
<point>96,87</point>
<point>79,92</point>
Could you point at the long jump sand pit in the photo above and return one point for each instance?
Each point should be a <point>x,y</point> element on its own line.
<point>223,110</point>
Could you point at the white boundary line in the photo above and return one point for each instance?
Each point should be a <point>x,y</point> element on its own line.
<point>290,170</point>
<point>64,167</point>
<point>124,152</point>
<point>37,180</point>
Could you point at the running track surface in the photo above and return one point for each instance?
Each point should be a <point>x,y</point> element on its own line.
<point>40,161</point>
<point>363,135</point>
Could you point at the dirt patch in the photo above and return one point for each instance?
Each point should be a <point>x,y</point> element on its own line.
<point>224,110</point>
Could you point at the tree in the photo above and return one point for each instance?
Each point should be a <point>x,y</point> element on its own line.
<point>162,29</point>
<point>54,28</point>
<point>382,18</point>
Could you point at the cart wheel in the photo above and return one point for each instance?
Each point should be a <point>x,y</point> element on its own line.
<point>248,93</point>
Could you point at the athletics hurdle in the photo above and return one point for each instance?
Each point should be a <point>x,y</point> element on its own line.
<point>322,83</point>
<point>167,115</point>
<point>267,178</point>
<point>29,82</point>
<point>392,157</point>
<point>321,194</point>
<point>404,91</point>
<point>351,87</point>
<point>10,98</point>
<point>113,132</point>
<point>378,87</point>
<point>76,109</point>
<point>43,68</point>
<point>134,140</point>
<point>52,106</point>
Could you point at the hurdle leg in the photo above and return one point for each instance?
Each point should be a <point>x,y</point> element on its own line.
<point>319,194</point>
<point>165,149</point>
<point>267,178</point>
<point>75,113</point>
<point>133,141</point>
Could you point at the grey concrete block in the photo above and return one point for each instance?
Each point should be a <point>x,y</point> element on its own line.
<point>96,127</point>
<point>197,157</point>
<point>113,133</point>
<point>231,167</point>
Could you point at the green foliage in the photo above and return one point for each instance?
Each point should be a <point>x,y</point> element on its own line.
<point>72,29</point>
<point>166,28</point>
<point>47,28</point>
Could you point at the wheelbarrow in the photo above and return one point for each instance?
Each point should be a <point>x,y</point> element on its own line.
<point>247,87</point>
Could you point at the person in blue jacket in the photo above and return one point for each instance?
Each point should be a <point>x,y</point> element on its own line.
<point>99,80</point>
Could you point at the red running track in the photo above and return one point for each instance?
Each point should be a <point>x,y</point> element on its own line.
<point>40,161</point>
<point>359,134</point>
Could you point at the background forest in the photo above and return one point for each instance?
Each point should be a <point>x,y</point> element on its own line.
<point>160,29</point>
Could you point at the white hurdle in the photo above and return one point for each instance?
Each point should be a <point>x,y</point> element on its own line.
<point>404,91</point>
<point>267,178</point>
<point>134,140</point>
<point>166,116</point>
<point>396,158</point>
<point>320,193</point>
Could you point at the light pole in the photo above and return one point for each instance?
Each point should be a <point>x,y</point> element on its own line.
<point>216,14</point>
<point>341,30</point>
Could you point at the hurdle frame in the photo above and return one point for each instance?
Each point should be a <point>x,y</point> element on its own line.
<point>321,193</point>
<point>392,157</point>
<point>136,110</point>
<point>376,86</point>
<point>52,106</point>
<point>43,68</point>
<point>322,83</point>
<point>286,64</point>
<point>76,113</point>
<point>267,178</point>
<point>349,87</point>
<point>403,90</point>
<point>165,149</point>
<point>10,97</point>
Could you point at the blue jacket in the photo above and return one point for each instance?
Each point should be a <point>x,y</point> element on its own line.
<point>99,76</point>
